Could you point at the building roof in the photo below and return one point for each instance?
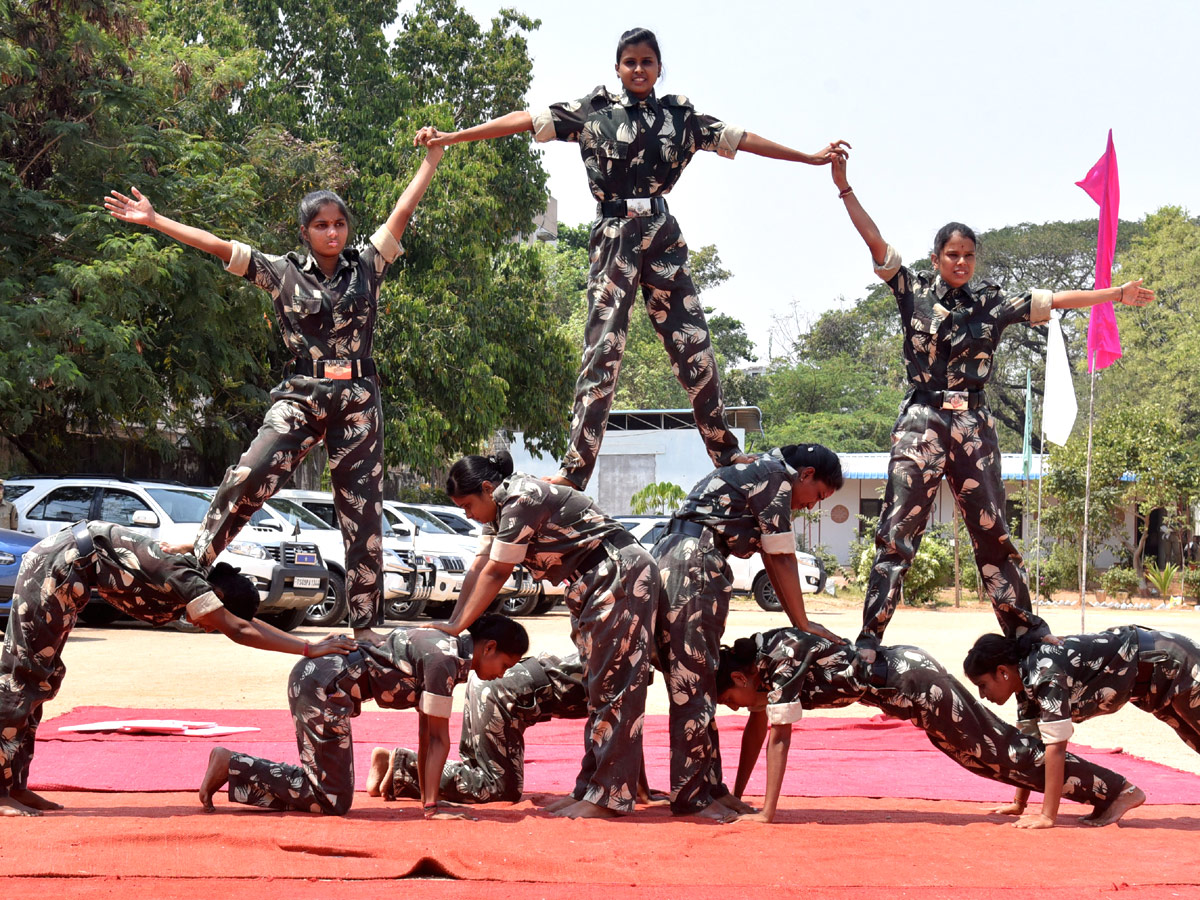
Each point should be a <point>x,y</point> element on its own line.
<point>1012,466</point>
<point>747,417</point>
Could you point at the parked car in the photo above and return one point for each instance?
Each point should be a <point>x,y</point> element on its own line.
<point>749,575</point>
<point>13,547</point>
<point>453,518</point>
<point>401,578</point>
<point>289,575</point>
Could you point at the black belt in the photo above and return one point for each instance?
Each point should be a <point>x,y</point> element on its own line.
<point>618,540</point>
<point>632,208</point>
<point>950,399</point>
<point>337,369</point>
<point>533,666</point>
<point>686,526</point>
<point>879,670</point>
<point>1145,666</point>
<point>83,542</point>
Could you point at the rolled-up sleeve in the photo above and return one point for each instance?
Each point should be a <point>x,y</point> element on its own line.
<point>779,543</point>
<point>239,260</point>
<point>784,713</point>
<point>206,603</point>
<point>436,705</point>
<point>543,125</point>
<point>890,265</point>
<point>1056,732</point>
<point>504,552</point>
<point>1040,305</point>
<point>731,139</point>
<point>385,242</point>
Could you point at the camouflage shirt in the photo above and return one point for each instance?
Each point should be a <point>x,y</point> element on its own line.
<point>323,318</point>
<point>748,506</point>
<point>131,572</point>
<point>950,334</point>
<point>634,148</point>
<point>548,527</point>
<point>418,667</point>
<point>802,671</point>
<point>1086,675</point>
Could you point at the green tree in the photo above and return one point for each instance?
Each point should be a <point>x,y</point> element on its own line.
<point>660,499</point>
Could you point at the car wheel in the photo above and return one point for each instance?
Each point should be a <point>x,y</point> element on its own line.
<point>764,594</point>
<point>404,608</point>
<point>332,610</point>
<point>439,610</point>
<point>99,613</point>
<point>286,619</point>
<point>546,602</point>
<point>519,604</point>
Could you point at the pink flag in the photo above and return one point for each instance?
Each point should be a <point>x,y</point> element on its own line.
<point>1103,186</point>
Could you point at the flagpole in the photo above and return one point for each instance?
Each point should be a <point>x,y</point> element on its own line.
<point>1037,558</point>
<point>1087,496</point>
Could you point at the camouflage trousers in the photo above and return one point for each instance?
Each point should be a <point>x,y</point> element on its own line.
<point>918,689</point>
<point>324,694</point>
<point>47,598</point>
<point>927,444</point>
<point>652,253</point>
<point>348,417</point>
<point>697,585</point>
<point>491,750</point>
<point>612,608</point>
<point>1173,691</point>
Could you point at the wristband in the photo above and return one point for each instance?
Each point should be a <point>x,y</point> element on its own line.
<point>305,650</point>
<point>844,192</point>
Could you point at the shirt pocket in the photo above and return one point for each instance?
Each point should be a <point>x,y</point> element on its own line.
<point>303,303</point>
<point>924,333</point>
<point>612,150</point>
<point>980,339</point>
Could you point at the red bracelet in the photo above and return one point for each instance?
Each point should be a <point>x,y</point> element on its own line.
<point>843,193</point>
<point>305,651</point>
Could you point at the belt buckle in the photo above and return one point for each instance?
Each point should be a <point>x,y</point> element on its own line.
<point>638,206</point>
<point>338,369</point>
<point>955,400</point>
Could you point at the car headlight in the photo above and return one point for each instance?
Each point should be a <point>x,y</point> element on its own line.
<point>6,559</point>
<point>247,548</point>
<point>392,558</point>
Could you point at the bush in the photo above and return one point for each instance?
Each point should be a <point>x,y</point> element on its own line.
<point>1060,570</point>
<point>1120,578</point>
<point>932,568</point>
<point>1191,582</point>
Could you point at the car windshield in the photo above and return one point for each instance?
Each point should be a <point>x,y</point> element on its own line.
<point>425,520</point>
<point>297,514</point>
<point>181,505</point>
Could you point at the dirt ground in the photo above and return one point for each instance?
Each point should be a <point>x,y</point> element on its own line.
<point>134,665</point>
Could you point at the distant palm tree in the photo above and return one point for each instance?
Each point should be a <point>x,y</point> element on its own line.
<point>660,498</point>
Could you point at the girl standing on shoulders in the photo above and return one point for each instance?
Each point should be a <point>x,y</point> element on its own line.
<point>326,304</point>
<point>635,145</point>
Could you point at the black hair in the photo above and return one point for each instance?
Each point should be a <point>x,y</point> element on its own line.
<point>992,651</point>
<point>949,230</point>
<point>825,463</point>
<point>638,36</point>
<point>312,202</point>
<point>238,593</point>
<point>510,636</point>
<point>469,473</point>
<point>738,658</point>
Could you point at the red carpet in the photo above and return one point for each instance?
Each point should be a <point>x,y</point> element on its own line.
<point>830,757</point>
<point>160,845</point>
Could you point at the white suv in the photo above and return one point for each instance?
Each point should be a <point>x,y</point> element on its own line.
<point>289,574</point>
<point>749,575</point>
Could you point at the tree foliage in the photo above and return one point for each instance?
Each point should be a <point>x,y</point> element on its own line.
<point>660,499</point>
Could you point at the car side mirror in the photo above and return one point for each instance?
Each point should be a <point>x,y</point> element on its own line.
<point>144,518</point>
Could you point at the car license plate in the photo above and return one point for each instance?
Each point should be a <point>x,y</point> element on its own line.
<point>305,559</point>
<point>305,582</point>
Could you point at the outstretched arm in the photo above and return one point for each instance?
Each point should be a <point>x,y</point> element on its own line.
<point>1131,293</point>
<point>753,736</point>
<point>760,146</point>
<point>779,741</point>
<point>480,588</point>
<point>510,123</point>
<point>403,211</point>
<point>1056,768</point>
<point>785,578</point>
<point>260,635</point>
<point>139,211</point>
<point>858,216</point>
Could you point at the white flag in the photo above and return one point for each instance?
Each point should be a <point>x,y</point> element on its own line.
<point>1059,406</point>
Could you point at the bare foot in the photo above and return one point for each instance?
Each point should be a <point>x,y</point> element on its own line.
<point>33,801</point>
<point>215,777</point>
<point>1131,797</point>
<point>652,797</point>
<point>586,809</point>
<point>716,812</point>
<point>736,804</point>
<point>560,803</point>
<point>10,806</point>
<point>380,772</point>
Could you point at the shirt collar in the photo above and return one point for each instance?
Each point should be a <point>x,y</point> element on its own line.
<point>310,266</point>
<point>629,101</point>
<point>777,455</point>
<point>960,296</point>
<point>466,646</point>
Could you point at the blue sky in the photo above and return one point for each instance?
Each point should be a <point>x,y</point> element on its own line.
<point>984,113</point>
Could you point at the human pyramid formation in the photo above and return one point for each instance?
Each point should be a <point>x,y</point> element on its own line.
<point>630,608</point>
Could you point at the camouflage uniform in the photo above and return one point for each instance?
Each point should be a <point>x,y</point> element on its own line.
<point>1096,674</point>
<point>949,338</point>
<point>128,570</point>
<point>414,667</point>
<point>803,671</point>
<point>746,509</point>
<point>638,149</point>
<point>321,319</point>
<point>491,764</point>
<point>559,533</point>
